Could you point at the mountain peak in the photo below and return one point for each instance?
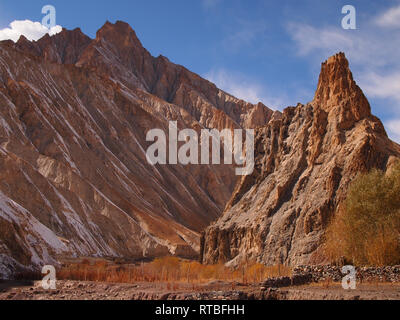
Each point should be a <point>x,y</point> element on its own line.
<point>22,39</point>
<point>339,58</point>
<point>118,24</point>
<point>118,32</point>
<point>337,89</point>
<point>335,79</point>
<point>74,32</point>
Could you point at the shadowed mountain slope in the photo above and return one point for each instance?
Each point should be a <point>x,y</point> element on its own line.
<point>74,179</point>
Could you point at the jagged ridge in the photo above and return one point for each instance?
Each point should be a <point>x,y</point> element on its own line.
<point>74,179</point>
<point>305,161</point>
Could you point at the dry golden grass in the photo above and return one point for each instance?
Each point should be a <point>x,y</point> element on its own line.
<point>169,270</point>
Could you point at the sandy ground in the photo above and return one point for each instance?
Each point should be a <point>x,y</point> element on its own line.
<point>378,291</point>
<point>76,290</point>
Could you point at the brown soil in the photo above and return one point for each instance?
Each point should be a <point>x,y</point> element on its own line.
<point>76,290</point>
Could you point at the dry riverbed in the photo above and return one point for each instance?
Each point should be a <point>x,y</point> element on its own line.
<point>78,290</point>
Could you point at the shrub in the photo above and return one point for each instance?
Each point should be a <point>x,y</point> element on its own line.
<point>367,230</point>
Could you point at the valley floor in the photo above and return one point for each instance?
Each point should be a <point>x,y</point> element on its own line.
<point>78,290</point>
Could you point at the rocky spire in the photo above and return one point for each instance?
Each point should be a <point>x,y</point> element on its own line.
<point>304,164</point>
<point>338,92</point>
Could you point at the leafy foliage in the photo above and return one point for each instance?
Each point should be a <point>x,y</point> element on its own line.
<point>367,230</point>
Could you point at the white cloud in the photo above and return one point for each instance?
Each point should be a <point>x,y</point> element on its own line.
<point>246,35</point>
<point>310,39</point>
<point>243,88</point>
<point>373,55</point>
<point>209,4</point>
<point>369,46</point>
<point>373,52</point>
<point>393,127</point>
<point>382,85</point>
<point>31,30</point>
<point>390,19</point>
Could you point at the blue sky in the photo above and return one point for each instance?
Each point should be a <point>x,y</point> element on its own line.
<point>257,50</point>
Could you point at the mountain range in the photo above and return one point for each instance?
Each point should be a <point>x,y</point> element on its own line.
<point>75,181</point>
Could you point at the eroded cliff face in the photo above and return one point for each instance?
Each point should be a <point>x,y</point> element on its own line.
<point>305,161</point>
<point>74,179</point>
